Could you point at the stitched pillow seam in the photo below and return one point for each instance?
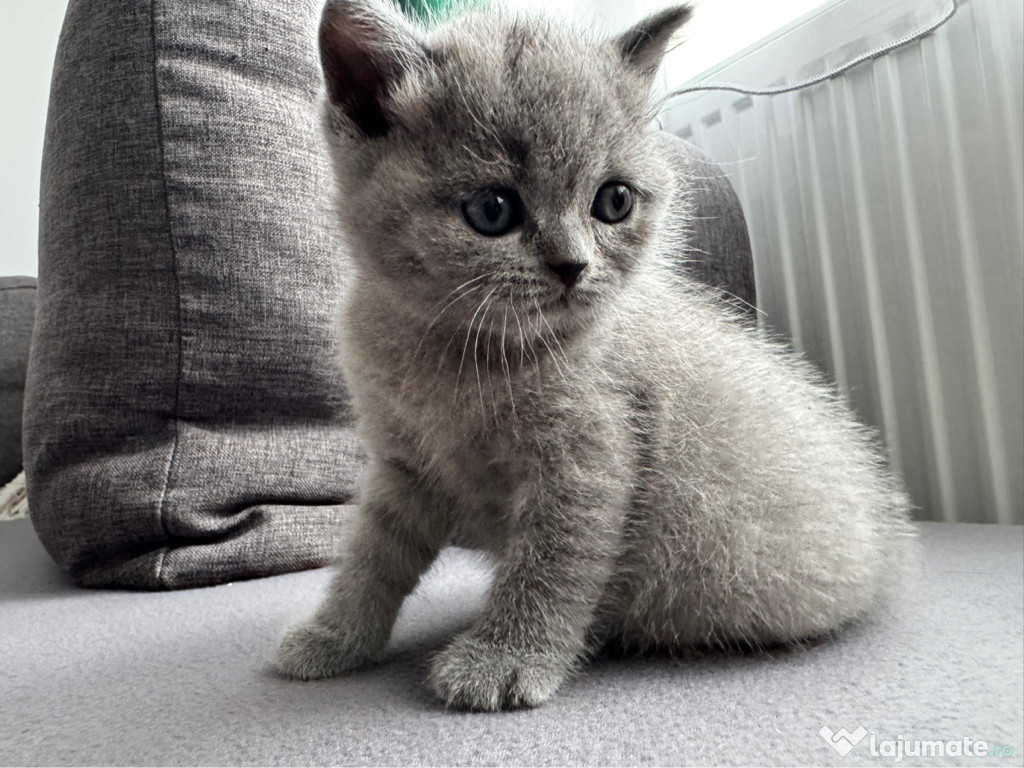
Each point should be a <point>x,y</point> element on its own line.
<point>162,510</point>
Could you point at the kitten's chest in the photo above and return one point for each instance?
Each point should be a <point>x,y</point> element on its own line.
<point>473,435</point>
<point>481,470</point>
<point>480,427</point>
<point>479,445</point>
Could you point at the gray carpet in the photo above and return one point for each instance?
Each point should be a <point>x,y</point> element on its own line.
<point>182,678</point>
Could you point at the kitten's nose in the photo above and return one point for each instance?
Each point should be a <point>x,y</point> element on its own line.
<point>568,271</point>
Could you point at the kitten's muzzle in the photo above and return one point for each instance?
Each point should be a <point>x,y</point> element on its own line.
<point>564,247</point>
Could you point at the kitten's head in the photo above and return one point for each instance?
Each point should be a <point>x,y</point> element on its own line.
<point>495,166</point>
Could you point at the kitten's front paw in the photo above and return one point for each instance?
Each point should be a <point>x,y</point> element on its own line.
<point>313,651</point>
<point>472,674</point>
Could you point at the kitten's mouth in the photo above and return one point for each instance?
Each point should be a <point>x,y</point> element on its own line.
<point>563,302</point>
<point>569,298</point>
<point>568,306</point>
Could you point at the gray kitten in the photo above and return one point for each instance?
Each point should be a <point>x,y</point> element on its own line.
<point>532,379</point>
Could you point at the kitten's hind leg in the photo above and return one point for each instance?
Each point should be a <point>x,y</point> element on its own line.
<point>396,539</point>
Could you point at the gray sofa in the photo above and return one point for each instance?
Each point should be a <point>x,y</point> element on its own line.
<point>191,460</point>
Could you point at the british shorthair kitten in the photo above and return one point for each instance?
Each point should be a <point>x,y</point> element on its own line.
<point>532,378</point>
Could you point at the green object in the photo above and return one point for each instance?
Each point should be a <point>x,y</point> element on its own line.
<point>433,10</point>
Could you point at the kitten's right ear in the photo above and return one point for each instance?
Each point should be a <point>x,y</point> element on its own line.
<point>643,45</point>
<point>365,50</point>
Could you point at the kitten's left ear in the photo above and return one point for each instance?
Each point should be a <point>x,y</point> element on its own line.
<point>643,45</point>
<point>366,49</point>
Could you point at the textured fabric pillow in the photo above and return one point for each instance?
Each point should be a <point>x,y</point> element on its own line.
<point>184,421</point>
<point>717,247</point>
<point>17,310</point>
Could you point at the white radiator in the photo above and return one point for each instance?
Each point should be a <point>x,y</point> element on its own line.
<point>886,214</point>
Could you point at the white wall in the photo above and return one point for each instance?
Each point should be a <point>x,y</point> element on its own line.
<point>719,28</point>
<point>28,40</point>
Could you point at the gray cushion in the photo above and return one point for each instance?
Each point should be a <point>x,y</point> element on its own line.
<point>183,678</point>
<point>185,423</point>
<point>717,248</point>
<point>17,310</point>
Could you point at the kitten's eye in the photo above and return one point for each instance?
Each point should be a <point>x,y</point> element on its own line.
<point>612,203</point>
<point>492,212</point>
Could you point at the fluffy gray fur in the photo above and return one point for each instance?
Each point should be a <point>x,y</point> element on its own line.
<point>647,469</point>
